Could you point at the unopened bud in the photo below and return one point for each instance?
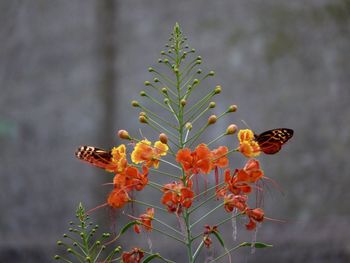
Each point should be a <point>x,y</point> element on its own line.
<point>166,60</point>
<point>162,52</point>
<point>147,83</point>
<point>166,101</point>
<point>156,80</point>
<point>160,60</point>
<point>143,93</point>
<point>231,129</point>
<point>135,103</point>
<point>163,138</point>
<point>188,126</point>
<point>212,105</point>
<point>211,73</point>
<point>165,90</point>
<point>212,119</point>
<point>232,108</point>
<point>195,81</point>
<point>150,69</point>
<point>123,134</point>
<point>176,70</point>
<point>217,89</point>
<point>56,257</point>
<point>142,119</point>
<point>142,113</point>
<point>199,71</point>
<point>183,102</point>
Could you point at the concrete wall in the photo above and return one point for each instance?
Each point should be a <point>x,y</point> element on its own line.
<point>285,63</point>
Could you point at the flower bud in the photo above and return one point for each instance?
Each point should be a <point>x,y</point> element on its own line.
<point>183,102</point>
<point>212,119</point>
<point>176,70</point>
<point>142,119</point>
<point>163,138</point>
<point>166,60</point>
<point>160,60</point>
<point>142,113</point>
<point>193,50</point>
<point>56,257</point>
<point>199,58</point>
<point>123,134</point>
<point>211,73</point>
<point>150,69</point>
<point>147,83</point>
<point>156,80</point>
<point>232,108</point>
<point>199,71</point>
<point>212,105</point>
<point>165,90</point>
<point>195,81</point>
<point>162,52</point>
<point>143,93</point>
<point>166,101</point>
<point>231,129</point>
<point>188,126</point>
<point>217,89</point>
<point>135,103</point>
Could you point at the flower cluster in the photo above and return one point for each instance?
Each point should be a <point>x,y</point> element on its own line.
<point>179,148</point>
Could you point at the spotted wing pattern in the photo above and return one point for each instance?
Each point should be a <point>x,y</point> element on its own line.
<point>271,141</point>
<point>95,156</point>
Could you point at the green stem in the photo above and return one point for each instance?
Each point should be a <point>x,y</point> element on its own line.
<point>204,216</point>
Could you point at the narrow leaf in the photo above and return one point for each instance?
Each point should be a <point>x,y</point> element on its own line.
<point>218,236</point>
<point>149,258</point>
<point>256,245</point>
<point>127,226</point>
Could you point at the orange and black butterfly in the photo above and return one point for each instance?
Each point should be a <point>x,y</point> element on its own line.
<point>271,141</point>
<point>95,156</point>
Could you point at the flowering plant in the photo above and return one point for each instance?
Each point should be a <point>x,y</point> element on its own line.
<point>199,173</point>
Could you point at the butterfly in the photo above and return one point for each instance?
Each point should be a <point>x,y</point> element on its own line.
<point>271,141</point>
<point>95,156</point>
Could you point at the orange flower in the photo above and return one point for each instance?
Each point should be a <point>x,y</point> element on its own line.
<point>251,172</point>
<point>147,218</point>
<point>209,230</point>
<point>232,201</point>
<point>235,184</point>
<point>133,256</point>
<point>248,146</point>
<point>144,152</point>
<point>176,196</point>
<point>254,215</point>
<point>132,178</point>
<point>219,158</point>
<point>198,161</point>
<point>118,198</point>
<point>118,162</point>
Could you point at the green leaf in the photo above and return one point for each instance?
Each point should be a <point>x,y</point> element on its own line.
<point>149,258</point>
<point>127,226</point>
<point>256,244</point>
<point>218,236</point>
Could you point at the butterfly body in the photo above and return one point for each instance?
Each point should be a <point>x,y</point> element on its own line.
<point>96,156</point>
<point>271,141</point>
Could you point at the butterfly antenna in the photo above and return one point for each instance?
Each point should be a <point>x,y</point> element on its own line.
<point>246,124</point>
<point>141,133</point>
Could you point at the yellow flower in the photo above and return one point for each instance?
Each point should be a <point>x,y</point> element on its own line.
<point>118,161</point>
<point>144,152</point>
<point>248,146</point>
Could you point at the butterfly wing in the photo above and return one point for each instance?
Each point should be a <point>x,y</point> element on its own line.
<point>271,141</point>
<point>95,156</point>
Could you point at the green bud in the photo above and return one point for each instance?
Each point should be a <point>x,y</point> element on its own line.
<point>65,235</point>
<point>176,70</point>
<point>147,83</point>
<point>135,103</point>
<point>165,90</point>
<point>217,89</point>
<point>199,71</point>
<point>162,52</point>
<point>156,80</point>
<point>56,257</point>
<point>211,73</point>
<point>188,126</point>
<point>166,101</point>
<point>212,105</point>
<point>195,81</point>
<point>59,242</point>
<point>150,69</point>
<point>75,244</point>
<point>69,250</point>
<point>70,229</point>
<point>143,93</point>
<point>166,60</point>
<point>160,60</point>
<point>183,102</point>
<point>232,108</point>
<point>193,50</point>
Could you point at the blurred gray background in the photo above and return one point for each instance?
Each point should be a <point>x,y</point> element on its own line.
<point>69,68</point>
